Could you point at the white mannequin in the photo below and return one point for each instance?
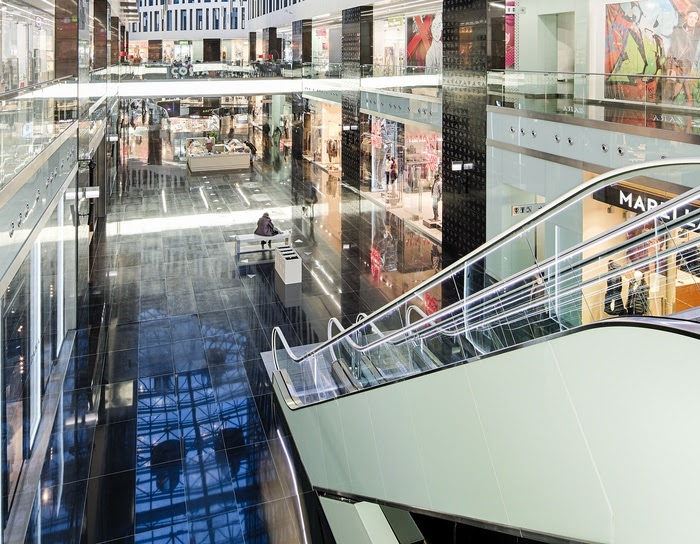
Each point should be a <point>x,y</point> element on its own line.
<point>638,276</point>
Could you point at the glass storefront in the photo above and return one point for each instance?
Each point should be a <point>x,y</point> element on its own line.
<point>401,169</point>
<point>389,45</point>
<point>26,44</point>
<point>15,352</point>
<point>322,124</point>
<point>36,308</point>
<point>666,286</point>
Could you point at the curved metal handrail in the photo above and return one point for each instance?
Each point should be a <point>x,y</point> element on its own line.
<point>680,221</point>
<point>494,244</point>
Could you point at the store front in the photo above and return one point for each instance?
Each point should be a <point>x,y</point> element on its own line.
<point>138,51</point>
<point>26,45</point>
<point>668,285</point>
<point>389,45</point>
<point>399,257</point>
<point>401,170</point>
<point>322,124</point>
<point>235,52</point>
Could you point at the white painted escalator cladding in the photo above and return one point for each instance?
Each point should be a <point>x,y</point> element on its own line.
<point>591,436</point>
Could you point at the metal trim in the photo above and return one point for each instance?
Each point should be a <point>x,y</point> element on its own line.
<point>609,126</point>
<point>16,183</point>
<point>472,522</point>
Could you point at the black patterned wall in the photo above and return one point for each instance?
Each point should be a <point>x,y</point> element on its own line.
<point>350,150</point>
<point>299,108</point>
<point>252,47</point>
<point>466,60</point>
<point>301,42</point>
<point>357,40</point>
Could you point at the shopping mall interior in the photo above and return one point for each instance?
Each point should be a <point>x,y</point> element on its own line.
<point>295,272</point>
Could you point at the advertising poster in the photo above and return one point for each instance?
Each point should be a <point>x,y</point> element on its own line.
<point>510,34</point>
<point>418,39</point>
<point>645,39</point>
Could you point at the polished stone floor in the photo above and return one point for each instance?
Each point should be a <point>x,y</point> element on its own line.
<point>168,431</point>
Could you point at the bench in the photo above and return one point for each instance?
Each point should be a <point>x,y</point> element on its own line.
<point>255,239</point>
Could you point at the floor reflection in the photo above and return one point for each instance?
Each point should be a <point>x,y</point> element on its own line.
<point>168,430</point>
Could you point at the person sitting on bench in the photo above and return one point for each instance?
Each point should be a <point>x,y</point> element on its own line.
<point>266,228</point>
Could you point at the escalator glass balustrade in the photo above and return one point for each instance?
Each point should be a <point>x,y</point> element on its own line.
<point>544,276</point>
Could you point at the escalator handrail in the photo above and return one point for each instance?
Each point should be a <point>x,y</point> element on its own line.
<point>435,327</point>
<point>399,336</point>
<point>570,197</point>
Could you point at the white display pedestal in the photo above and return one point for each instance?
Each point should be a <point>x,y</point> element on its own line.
<point>217,162</point>
<point>288,264</point>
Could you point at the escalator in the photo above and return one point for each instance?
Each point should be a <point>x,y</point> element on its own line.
<point>553,394</point>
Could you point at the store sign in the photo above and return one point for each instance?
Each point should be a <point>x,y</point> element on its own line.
<point>637,201</point>
<point>526,209</point>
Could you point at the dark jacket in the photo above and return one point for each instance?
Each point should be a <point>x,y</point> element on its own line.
<point>265,227</point>
<point>613,296</point>
<point>638,299</point>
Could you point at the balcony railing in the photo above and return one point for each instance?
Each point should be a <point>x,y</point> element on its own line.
<point>654,101</point>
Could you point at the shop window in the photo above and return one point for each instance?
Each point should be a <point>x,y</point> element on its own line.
<point>16,376</point>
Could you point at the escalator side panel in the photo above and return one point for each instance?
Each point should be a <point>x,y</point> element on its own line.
<point>551,438</point>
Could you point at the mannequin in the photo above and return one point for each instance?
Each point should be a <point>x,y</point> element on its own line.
<point>436,194</point>
<point>638,295</point>
<point>613,292</point>
<point>387,169</point>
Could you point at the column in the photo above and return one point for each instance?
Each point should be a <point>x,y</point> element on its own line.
<point>66,38</point>
<point>466,59</point>
<point>269,37</point>
<point>357,39</point>
<point>155,50</point>
<point>357,51</point>
<point>301,43</point>
<point>252,47</point>
<point>115,43</point>
<point>101,36</point>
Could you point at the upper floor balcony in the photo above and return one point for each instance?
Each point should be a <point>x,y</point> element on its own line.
<point>649,101</point>
<point>32,118</point>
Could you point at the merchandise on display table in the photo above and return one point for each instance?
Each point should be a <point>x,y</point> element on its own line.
<point>205,156</point>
